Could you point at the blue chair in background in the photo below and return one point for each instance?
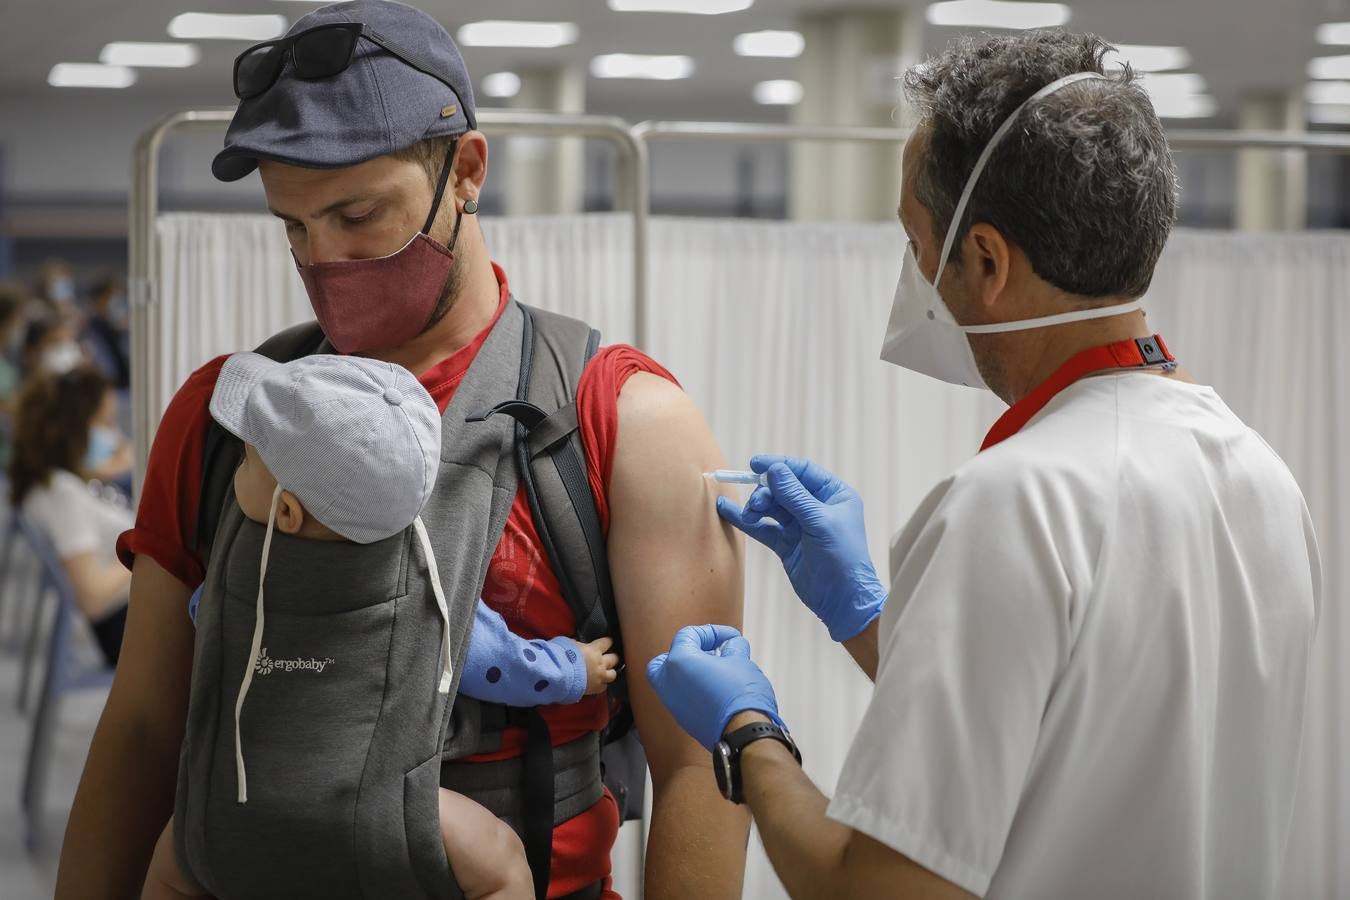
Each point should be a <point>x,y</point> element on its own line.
<point>63,673</point>
<point>10,607</point>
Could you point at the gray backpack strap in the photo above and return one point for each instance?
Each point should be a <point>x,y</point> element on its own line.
<point>552,463</point>
<point>553,468</point>
<point>554,353</point>
<point>491,456</point>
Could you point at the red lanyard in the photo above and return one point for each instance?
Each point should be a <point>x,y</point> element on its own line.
<point>1131,353</point>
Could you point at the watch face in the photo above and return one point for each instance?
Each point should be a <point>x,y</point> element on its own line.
<point>722,767</point>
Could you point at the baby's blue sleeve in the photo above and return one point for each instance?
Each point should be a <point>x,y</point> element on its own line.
<point>503,667</point>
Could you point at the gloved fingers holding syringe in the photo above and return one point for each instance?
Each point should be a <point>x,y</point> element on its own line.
<point>813,521</point>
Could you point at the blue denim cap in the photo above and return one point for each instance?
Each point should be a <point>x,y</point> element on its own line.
<point>376,106</point>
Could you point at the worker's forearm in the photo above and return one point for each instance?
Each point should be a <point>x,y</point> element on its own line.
<point>696,847</point>
<point>863,649</point>
<point>124,798</point>
<point>805,847</point>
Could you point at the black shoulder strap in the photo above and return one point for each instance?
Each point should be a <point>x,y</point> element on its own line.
<point>220,453</point>
<point>554,354</point>
<point>553,468</point>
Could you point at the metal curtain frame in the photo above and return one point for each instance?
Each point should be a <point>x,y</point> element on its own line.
<point>1186,139</point>
<point>143,210</point>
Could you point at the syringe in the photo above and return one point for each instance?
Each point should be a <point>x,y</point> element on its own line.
<point>733,476</point>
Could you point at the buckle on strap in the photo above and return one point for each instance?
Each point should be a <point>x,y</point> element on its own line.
<point>1155,353</point>
<point>497,785</point>
<point>522,411</point>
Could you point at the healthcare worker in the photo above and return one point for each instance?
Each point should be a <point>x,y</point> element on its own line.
<point>1091,663</point>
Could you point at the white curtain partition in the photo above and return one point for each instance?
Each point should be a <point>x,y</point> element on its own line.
<point>774,329</point>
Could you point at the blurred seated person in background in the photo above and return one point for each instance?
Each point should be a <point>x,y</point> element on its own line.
<point>55,426</point>
<point>12,300</point>
<point>51,348</point>
<point>105,332</point>
<point>55,289</point>
<point>51,345</point>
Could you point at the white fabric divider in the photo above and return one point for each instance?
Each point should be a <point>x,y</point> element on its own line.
<point>1266,319</point>
<point>775,329</point>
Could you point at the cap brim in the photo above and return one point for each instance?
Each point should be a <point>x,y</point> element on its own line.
<point>232,165</point>
<point>236,162</point>
<point>238,377</point>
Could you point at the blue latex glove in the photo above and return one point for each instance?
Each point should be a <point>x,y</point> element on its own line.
<point>707,678</point>
<point>819,534</point>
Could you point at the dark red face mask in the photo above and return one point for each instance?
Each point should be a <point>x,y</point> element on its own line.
<point>370,304</point>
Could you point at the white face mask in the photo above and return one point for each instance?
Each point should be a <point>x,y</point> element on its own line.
<point>61,289</point>
<point>59,359</point>
<point>922,334</point>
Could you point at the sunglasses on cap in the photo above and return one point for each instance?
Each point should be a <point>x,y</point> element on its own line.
<point>320,52</point>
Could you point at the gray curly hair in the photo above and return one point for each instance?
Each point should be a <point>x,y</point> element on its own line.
<point>1085,184</point>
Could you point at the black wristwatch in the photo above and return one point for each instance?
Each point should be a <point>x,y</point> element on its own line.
<point>727,755</point>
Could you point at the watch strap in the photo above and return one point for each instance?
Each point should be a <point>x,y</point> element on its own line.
<point>737,741</point>
<point>742,737</point>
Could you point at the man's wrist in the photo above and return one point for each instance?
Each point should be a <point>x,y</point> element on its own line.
<point>747,737</point>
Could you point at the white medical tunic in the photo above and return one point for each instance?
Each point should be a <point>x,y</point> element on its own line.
<point>1094,658</point>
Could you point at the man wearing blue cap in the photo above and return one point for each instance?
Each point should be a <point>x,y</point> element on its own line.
<point>361,124</point>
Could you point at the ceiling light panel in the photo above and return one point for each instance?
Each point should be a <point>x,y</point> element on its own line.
<point>1173,84</point>
<point>1329,114</point>
<point>91,75</point>
<point>1329,67</point>
<point>1328,92</point>
<point>150,55</point>
<point>997,14</point>
<point>1179,95</point>
<point>226,27</point>
<point>633,65</point>
<point>1148,57</point>
<point>538,35</point>
<point>783,92</point>
<point>697,7</point>
<point>780,44</point>
<point>501,85</point>
<point>1193,106</point>
<point>1334,33</point>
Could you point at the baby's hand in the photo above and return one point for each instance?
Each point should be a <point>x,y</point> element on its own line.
<point>600,664</point>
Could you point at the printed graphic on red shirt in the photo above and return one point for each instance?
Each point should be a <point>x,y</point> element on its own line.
<point>520,584</point>
<point>517,567</point>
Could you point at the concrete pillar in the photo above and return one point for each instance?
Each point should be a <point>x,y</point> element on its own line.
<point>1272,185</point>
<point>547,175</point>
<point>850,71</point>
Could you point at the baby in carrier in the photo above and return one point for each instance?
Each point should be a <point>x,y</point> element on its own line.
<point>283,412</point>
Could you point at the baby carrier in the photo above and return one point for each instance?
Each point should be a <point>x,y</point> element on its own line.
<point>342,794</point>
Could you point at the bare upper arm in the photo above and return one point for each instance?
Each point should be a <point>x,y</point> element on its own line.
<point>154,669</point>
<point>673,561</point>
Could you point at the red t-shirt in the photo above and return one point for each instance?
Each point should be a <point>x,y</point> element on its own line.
<point>520,585</point>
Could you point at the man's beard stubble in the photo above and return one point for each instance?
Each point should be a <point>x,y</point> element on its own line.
<point>454,281</point>
<point>449,294</point>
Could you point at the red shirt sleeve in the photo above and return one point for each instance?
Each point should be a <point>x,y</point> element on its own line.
<point>166,519</point>
<point>598,412</point>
